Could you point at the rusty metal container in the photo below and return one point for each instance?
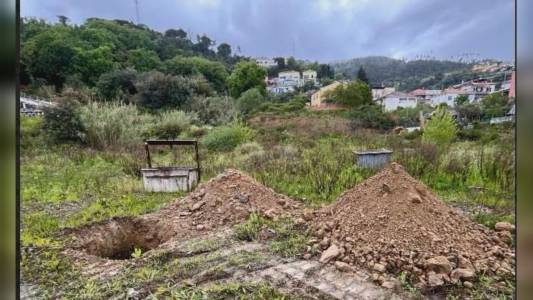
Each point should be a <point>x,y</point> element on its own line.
<point>171,178</point>
<point>373,159</point>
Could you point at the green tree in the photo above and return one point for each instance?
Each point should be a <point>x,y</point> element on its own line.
<point>213,71</point>
<point>224,51</point>
<point>49,55</point>
<point>353,94</point>
<point>281,62</point>
<point>250,100</point>
<point>176,33</point>
<point>246,75</point>
<point>203,45</point>
<point>90,64</point>
<point>143,60</point>
<point>62,20</point>
<point>157,90</point>
<point>117,84</point>
<point>361,75</point>
<point>440,130</point>
<point>461,100</point>
<point>494,105</point>
<point>325,71</point>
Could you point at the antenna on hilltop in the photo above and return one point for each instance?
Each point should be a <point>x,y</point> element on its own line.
<point>137,10</point>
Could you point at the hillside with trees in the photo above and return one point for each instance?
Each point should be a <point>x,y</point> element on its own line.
<point>406,75</point>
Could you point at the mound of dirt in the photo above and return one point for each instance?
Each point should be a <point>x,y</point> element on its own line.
<point>223,201</point>
<point>226,199</point>
<point>392,223</point>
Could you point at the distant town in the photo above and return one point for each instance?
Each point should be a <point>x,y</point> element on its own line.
<point>390,98</point>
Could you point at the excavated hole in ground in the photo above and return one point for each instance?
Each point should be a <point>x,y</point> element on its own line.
<point>118,238</point>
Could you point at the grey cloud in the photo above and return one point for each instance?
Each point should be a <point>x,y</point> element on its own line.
<point>319,30</point>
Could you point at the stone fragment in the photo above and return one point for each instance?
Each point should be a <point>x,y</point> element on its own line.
<point>243,198</point>
<point>468,284</point>
<point>458,274</point>
<point>197,205</point>
<point>504,226</point>
<point>332,252</point>
<point>435,280</point>
<point>439,264</point>
<point>379,267</point>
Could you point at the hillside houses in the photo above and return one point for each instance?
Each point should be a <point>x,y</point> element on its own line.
<point>396,100</point>
<point>288,81</point>
<point>266,62</point>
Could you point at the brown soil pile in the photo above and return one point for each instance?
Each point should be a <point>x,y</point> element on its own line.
<point>392,223</point>
<point>226,199</point>
<point>223,201</point>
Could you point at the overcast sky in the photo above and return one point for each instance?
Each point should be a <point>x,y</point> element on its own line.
<point>323,30</point>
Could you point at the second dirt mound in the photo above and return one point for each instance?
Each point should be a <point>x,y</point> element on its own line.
<point>225,200</point>
<point>392,223</point>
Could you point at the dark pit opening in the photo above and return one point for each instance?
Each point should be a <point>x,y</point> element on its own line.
<point>118,238</point>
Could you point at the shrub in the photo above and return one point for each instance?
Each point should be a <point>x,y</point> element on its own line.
<point>172,123</point>
<point>226,138</point>
<point>250,154</point>
<point>440,129</point>
<point>114,125</point>
<point>213,110</point>
<point>250,100</point>
<point>370,116</point>
<point>353,94</point>
<point>117,84</point>
<point>157,90</point>
<point>62,122</point>
<point>30,128</point>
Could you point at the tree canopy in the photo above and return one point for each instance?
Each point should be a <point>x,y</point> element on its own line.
<point>246,75</point>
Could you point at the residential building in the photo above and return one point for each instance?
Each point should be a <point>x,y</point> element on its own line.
<point>396,100</point>
<point>381,91</point>
<point>423,95</point>
<point>266,62</point>
<point>448,96</point>
<point>309,76</point>
<point>317,99</point>
<point>476,89</point>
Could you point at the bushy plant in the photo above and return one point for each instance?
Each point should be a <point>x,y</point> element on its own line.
<point>370,116</point>
<point>353,94</point>
<point>440,129</point>
<point>172,123</point>
<point>62,122</point>
<point>215,110</point>
<point>250,100</point>
<point>117,84</point>
<point>114,125</point>
<point>157,90</point>
<point>226,138</point>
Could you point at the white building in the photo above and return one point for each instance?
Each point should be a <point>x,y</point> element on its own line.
<point>309,76</point>
<point>380,92</point>
<point>396,100</point>
<point>266,62</point>
<point>476,89</point>
<point>425,96</point>
<point>448,96</point>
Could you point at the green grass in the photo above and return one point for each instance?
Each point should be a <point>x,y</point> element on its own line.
<point>288,239</point>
